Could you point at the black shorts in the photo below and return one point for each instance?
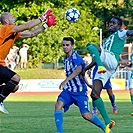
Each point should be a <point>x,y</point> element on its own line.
<point>5,74</point>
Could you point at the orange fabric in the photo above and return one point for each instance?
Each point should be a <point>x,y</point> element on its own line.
<point>7,39</point>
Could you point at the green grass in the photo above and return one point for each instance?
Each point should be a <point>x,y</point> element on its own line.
<point>35,114</point>
<point>38,73</point>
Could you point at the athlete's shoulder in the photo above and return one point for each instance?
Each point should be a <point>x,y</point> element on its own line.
<point>6,29</point>
<point>122,34</point>
<point>74,55</point>
<point>7,26</point>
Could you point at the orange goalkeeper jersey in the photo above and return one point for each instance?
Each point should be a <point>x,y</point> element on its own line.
<point>7,39</point>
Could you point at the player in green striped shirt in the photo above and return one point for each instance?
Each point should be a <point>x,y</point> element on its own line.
<point>107,58</point>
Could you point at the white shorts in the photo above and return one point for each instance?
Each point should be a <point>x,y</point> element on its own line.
<point>110,63</point>
<point>23,60</point>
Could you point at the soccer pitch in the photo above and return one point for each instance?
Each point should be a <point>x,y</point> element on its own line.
<point>35,114</point>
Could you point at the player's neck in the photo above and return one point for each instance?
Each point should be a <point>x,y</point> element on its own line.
<point>69,54</point>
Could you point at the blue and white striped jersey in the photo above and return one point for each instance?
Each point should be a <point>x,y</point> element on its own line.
<point>77,84</point>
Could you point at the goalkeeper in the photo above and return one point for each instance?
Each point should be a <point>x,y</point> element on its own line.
<point>9,33</point>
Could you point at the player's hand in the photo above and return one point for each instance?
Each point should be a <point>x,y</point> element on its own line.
<point>124,62</point>
<point>122,66</point>
<point>51,21</point>
<point>45,15</point>
<point>62,85</point>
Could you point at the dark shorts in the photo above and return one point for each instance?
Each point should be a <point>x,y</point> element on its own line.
<point>5,74</point>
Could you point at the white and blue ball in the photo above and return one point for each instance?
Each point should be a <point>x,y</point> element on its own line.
<point>72,15</point>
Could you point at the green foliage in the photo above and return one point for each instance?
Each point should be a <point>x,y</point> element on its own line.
<point>46,47</point>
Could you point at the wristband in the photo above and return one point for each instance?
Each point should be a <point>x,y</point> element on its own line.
<point>41,18</point>
<point>45,26</point>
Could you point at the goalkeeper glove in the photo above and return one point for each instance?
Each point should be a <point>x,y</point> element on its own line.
<point>45,15</point>
<point>50,21</point>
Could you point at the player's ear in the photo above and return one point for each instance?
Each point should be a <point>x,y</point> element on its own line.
<point>6,21</point>
<point>73,46</point>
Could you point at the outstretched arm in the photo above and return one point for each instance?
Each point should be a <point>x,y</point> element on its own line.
<point>32,23</point>
<point>93,63</point>
<point>130,33</point>
<point>32,33</point>
<point>87,82</point>
<point>51,21</point>
<point>26,26</point>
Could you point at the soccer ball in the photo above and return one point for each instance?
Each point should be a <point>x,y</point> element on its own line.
<point>72,15</point>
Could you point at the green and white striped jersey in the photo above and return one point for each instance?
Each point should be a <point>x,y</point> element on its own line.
<point>115,43</point>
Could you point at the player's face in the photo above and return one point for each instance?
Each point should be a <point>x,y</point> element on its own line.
<point>11,19</point>
<point>67,46</point>
<point>113,25</point>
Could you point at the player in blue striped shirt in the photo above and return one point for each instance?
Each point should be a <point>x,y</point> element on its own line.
<point>74,88</point>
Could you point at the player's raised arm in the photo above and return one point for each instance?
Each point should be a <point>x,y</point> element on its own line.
<point>87,82</point>
<point>130,33</point>
<point>93,63</point>
<point>26,26</point>
<point>50,21</point>
<point>32,23</point>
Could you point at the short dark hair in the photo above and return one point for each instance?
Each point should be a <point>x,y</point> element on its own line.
<point>119,20</point>
<point>69,39</point>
